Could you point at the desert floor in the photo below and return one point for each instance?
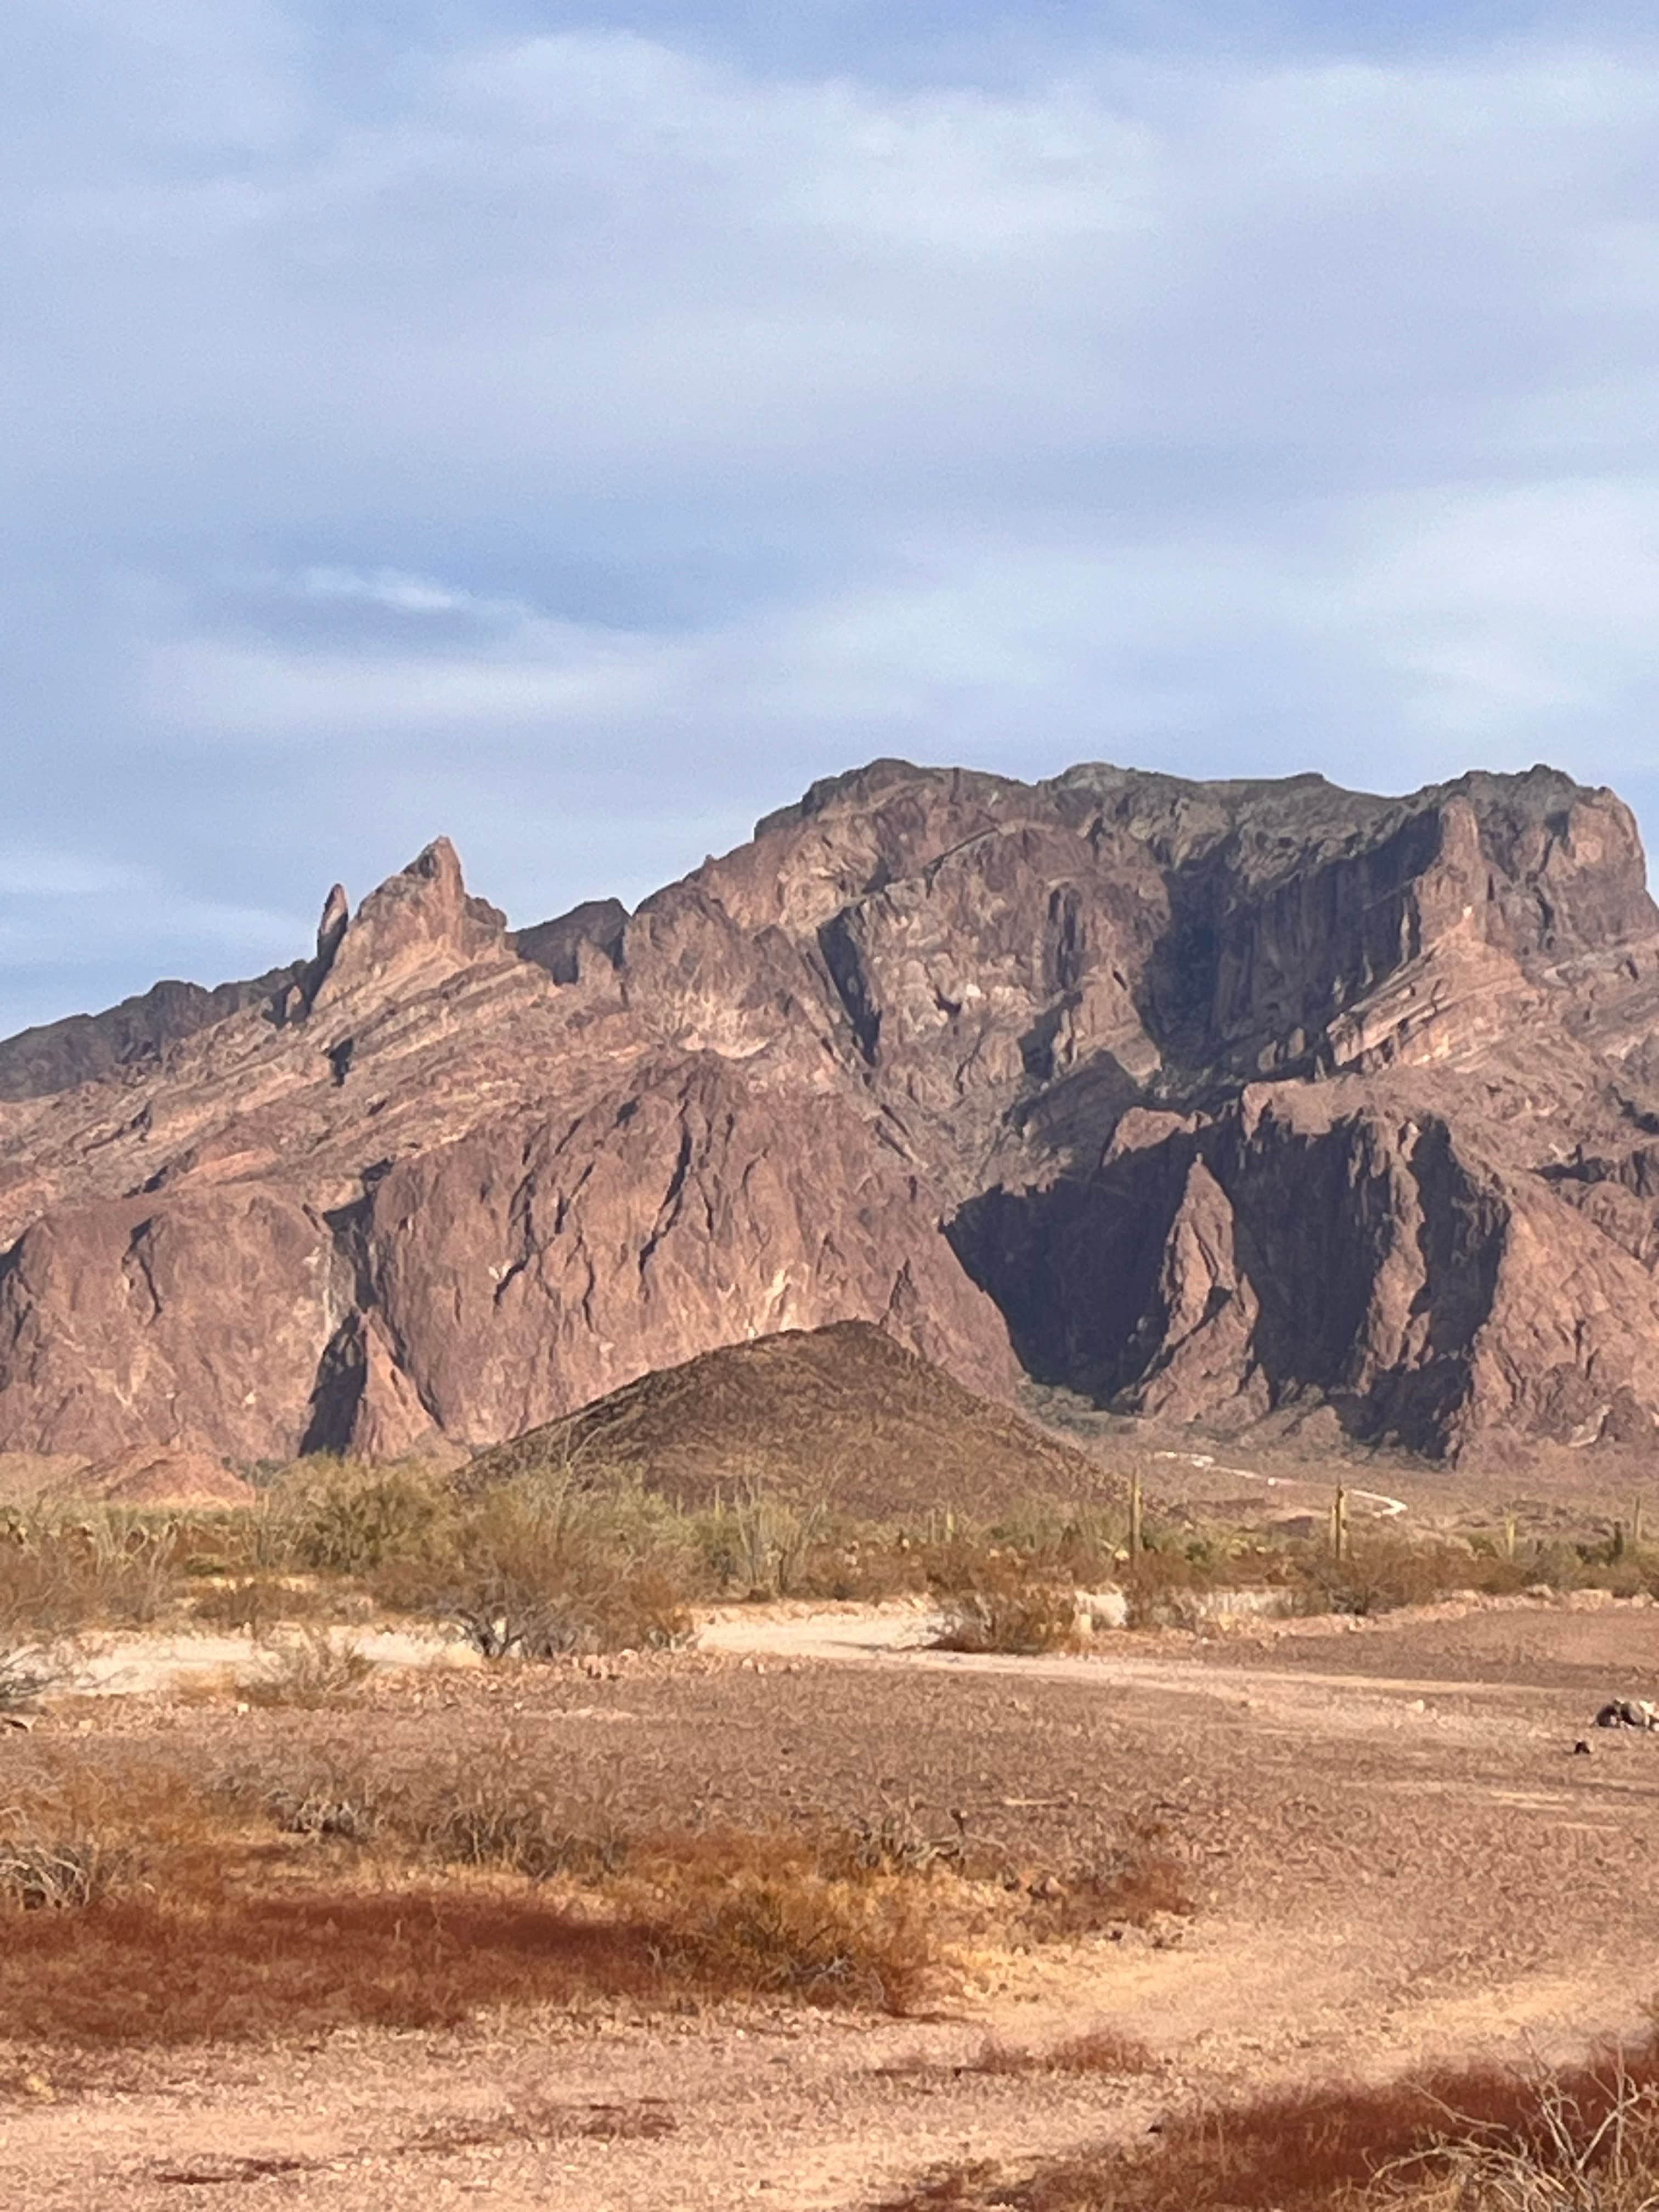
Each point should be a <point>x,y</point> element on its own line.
<point>1396,1851</point>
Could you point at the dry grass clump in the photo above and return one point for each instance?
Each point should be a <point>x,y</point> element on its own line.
<point>1142,1881</point>
<point>1100,2050</point>
<point>1582,2151</point>
<point>513,1827</point>
<point>760,1913</point>
<point>57,1873</point>
<point>64,1848</point>
<point>1097,2050</point>
<point>312,1668</point>
<point>1584,2139</point>
<point>991,1599</point>
<point>27,1672</point>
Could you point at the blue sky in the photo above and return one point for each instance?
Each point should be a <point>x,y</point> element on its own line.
<point>576,427</point>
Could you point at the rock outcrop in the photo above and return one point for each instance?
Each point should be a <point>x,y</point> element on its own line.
<point>1216,1101</point>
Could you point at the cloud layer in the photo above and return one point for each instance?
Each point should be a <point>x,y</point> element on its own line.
<point>577,429</point>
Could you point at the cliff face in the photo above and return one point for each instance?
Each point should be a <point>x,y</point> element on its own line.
<point>1214,1099</point>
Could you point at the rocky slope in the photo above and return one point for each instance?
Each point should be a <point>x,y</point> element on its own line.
<point>1217,1101</point>
<point>841,1417</point>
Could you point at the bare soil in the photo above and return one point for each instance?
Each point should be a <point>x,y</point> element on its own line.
<point>1397,1854</point>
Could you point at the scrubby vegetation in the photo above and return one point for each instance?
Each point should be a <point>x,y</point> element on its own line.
<point>579,1557</point>
<point>1585,2139</point>
<point>994,1599</point>
<point>138,1905</point>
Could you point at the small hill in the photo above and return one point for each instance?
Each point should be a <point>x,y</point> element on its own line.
<point>182,1475</point>
<point>841,1414</point>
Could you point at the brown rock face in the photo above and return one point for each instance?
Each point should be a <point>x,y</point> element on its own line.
<point>1222,1101</point>
<point>59,1055</point>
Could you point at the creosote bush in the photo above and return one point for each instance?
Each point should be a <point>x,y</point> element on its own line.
<point>345,1518</point>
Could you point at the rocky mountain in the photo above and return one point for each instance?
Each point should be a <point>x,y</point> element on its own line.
<point>1221,1101</point>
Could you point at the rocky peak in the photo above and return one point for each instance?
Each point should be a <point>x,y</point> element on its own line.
<point>419,926</point>
<point>567,946</point>
<point>336,918</point>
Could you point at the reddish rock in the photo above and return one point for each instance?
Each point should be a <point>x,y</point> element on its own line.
<point>1221,1100</point>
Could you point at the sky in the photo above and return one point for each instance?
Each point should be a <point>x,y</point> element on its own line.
<point>574,428</point>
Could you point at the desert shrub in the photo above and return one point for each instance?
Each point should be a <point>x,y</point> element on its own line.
<point>255,1603</point>
<point>1166,1584</point>
<point>764,1546</point>
<point>311,1669</point>
<point>759,1547</point>
<point>1083,1545</point>
<point>62,1571</point>
<point>1140,1880</point>
<point>998,1601</point>
<point>342,1517</point>
<point>899,1839</point>
<point>321,1804</point>
<point>536,1572</point>
<point>1380,1571</point>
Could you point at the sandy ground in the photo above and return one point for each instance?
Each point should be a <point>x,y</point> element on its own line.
<point>1397,1851</point>
<point>135,1666</point>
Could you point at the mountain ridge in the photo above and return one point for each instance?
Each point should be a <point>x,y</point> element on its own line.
<point>1209,1100</point>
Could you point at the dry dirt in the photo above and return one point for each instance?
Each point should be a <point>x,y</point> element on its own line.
<point>1397,1852</point>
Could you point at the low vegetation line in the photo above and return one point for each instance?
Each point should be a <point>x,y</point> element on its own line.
<point>582,1559</point>
<point>295,1897</point>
